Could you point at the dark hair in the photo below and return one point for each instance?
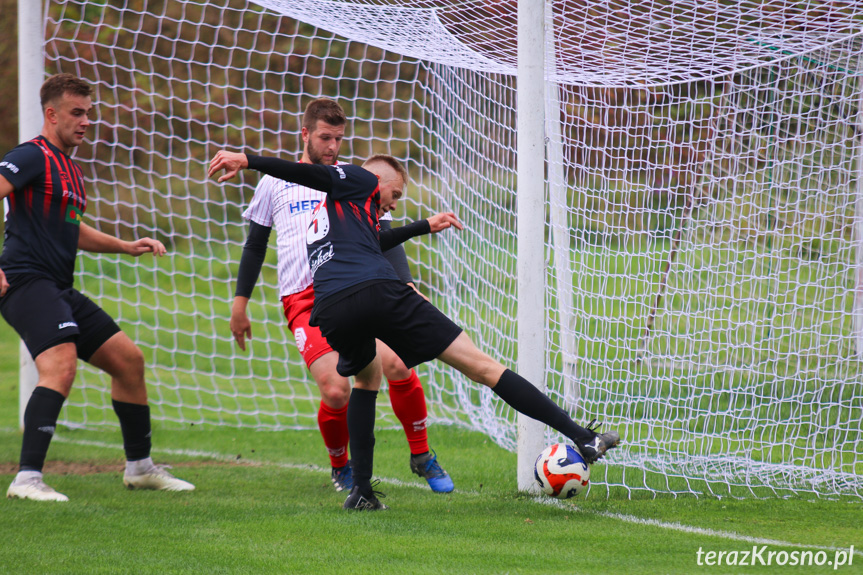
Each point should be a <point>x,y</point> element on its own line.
<point>54,87</point>
<point>323,109</point>
<point>391,162</point>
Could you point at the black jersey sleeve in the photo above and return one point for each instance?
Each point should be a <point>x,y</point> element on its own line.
<point>395,236</point>
<point>397,257</point>
<point>313,176</point>
<point>22,165</point>
<point>252,260</point>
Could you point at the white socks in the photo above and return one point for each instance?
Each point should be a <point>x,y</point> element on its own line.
<point>26,475</point>
<point>140,467</point>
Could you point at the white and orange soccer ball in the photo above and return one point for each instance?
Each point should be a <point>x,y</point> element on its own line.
<point>561,471</point>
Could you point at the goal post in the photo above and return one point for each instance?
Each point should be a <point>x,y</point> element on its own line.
<point>31,74</point>
<point>679,260</point>
<point>530,201</point>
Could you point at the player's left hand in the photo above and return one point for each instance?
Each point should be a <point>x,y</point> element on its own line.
<point>145,246</point>
<point>442,221</point>
<point>231,162</point>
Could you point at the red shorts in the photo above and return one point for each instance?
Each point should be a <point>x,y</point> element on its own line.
<point>298,309</point>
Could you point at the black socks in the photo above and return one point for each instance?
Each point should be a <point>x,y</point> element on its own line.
<point>40,419</point>
<point>361,427</point>
<point>135,426</point>
<point>527,399</point>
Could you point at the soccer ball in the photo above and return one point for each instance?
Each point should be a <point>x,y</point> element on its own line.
<point>561,471</point>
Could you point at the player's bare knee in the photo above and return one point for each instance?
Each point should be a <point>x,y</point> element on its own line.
<point>335,391</point>
<point>60,379</point>
<point>133,362</point>
<point>395,369</point>
<point>57,368</point>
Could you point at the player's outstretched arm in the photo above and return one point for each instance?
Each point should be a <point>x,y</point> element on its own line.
<point>92,240</point>
<point>312,176</point>
<point>436,223</point>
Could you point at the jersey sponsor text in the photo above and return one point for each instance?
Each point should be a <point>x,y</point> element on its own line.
<point>301,206</point>
<point>320,256</point>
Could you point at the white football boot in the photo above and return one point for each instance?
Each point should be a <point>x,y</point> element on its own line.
<point>154,477</point>
<point>32,487</point>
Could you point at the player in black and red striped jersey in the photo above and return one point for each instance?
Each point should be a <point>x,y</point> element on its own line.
<point>358,298</point>
<point>288,208</point>
<point>59,325</point>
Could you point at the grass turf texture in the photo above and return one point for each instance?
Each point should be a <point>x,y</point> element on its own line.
<point>265,504</point>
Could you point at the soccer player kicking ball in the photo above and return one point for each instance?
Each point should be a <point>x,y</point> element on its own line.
<point>58,324</point>
<point>288,207</point>
<point>358,298</point>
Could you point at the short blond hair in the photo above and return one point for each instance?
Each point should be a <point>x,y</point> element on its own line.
<point>391,161</point>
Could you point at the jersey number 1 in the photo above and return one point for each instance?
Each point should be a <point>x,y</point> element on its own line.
<point>320,225</point>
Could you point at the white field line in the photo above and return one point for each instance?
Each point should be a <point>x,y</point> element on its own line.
<point>728,535</point>
<point>226,458</point>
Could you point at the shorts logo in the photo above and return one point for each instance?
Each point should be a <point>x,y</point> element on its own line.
<point>73,216</point>
<point>300,336</point>
<point>67,324</point>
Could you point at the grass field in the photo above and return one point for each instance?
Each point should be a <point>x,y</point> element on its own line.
<point>264,504</point>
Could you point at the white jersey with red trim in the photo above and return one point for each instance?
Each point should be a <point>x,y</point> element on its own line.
<point>287,208</point>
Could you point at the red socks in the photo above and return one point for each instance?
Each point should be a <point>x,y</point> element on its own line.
<point>409,405</point>
<point>334,429</point>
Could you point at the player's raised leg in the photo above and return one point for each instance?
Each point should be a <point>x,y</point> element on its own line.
<point>524,397</point>
<point>124,362</point>
<point>409,404</point>
<point>56,366</point>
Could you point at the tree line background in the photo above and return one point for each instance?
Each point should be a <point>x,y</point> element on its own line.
<point>640,149</point>
<point>8,74</point>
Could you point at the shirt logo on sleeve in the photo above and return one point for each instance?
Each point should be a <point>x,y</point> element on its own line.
<point>9,166</point>
<point>73,216</point>
<point>341,172</point>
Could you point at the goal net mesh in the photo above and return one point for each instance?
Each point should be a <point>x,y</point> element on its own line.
<point>704,208</point>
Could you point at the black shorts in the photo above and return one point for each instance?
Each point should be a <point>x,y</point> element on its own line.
<point>391,312</point>
<point>46,315</point>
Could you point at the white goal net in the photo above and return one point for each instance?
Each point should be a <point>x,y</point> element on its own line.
<point>704,213</point>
